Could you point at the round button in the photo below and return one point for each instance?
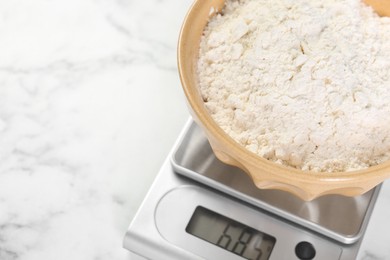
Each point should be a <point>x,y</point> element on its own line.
<point>305,251</point>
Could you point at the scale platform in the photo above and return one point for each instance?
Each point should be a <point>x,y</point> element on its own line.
<point>194,189</point>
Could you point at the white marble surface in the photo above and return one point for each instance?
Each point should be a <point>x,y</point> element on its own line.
<point>90,104</point>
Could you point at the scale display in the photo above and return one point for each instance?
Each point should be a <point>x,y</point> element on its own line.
<point>230,235</point>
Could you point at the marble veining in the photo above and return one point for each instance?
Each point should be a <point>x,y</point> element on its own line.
<point>90,105</point>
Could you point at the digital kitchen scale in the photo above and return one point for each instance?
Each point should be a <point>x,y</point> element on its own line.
<point>200,208</point>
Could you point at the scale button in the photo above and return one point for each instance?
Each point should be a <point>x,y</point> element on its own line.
<point>305,251</point>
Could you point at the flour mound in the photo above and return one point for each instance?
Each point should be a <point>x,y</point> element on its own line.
<point>301,83</point>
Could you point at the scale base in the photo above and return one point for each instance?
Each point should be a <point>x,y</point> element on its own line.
<point>191,176</point>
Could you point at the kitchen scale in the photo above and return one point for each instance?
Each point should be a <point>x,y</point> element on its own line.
<point>200,208</point>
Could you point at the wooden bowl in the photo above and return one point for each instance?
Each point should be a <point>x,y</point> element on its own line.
<point>265,174</point>
<point>382,7</point>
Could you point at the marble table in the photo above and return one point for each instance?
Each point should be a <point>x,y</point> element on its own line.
<point>90,105</point>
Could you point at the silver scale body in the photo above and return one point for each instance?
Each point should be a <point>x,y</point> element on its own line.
<point>191,176</point>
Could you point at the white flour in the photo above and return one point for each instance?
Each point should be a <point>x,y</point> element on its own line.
<point>301,83</point>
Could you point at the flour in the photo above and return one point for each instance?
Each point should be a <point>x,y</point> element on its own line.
<point>304,83</point>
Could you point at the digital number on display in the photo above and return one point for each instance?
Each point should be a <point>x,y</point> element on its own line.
<point>230,235</point>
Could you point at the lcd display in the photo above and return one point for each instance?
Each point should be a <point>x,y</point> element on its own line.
<point>230,235</point>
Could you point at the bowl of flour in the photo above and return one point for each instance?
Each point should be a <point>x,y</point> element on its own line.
<point>295,93</point>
